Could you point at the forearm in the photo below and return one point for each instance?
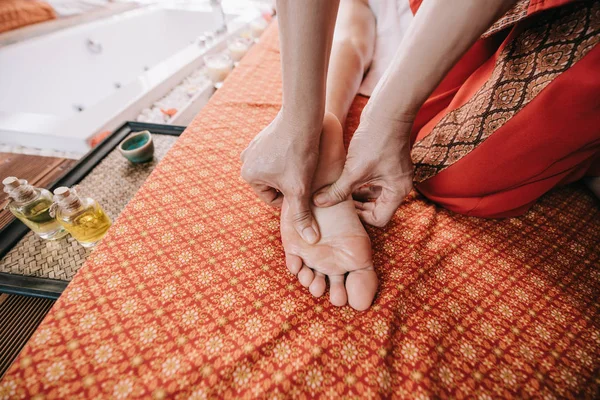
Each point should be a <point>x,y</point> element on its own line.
<point>440,34</point>
<point>305,32</point>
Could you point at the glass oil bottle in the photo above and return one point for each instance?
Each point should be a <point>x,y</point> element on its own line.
<point>32,206</point>
<point>82,217</point>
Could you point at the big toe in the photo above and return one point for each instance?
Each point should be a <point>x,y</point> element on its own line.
<point>337,291</point>
<point>361,286</point>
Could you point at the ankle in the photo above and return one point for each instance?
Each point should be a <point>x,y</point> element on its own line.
<point>332,154</point>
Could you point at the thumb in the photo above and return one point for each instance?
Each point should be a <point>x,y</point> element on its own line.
<point>335,193</point>
<point>302,218</point>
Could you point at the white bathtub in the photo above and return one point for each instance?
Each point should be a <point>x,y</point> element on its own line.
<point>59,90</point>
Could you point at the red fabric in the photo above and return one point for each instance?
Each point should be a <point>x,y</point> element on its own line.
<point>553,140</point>
<point>459,84</point>
<point>188,297</point>
<point>469,73</point>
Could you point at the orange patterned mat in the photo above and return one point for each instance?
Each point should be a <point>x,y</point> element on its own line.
<point>188,295</point>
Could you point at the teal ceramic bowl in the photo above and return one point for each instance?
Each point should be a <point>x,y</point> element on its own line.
<point>138,147</point>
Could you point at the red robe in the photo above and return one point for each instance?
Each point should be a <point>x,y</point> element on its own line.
<point>518,115</point>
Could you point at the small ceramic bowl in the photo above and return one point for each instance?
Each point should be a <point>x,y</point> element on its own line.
<point>138,147</point>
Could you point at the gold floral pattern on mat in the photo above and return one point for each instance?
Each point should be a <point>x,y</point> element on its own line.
<point>527,65</point>
<point>188,296</point>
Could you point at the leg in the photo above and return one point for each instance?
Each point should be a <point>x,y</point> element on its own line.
<point>351,54</point>
<point>344,247</point>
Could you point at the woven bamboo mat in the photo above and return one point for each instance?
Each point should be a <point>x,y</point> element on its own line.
<point>112,183</point>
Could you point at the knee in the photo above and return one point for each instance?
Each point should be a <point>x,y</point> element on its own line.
<point>364,47</point>
<point>355,29</point>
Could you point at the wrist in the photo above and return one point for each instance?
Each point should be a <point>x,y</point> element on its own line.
<point>307,124</point>
<point>381,120</point>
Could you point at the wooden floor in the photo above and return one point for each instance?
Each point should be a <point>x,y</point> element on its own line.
<point>20,316</point>
<point>39,171</point>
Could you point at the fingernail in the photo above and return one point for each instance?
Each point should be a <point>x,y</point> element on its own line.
<point>320,198</point>
<point>309,235</point>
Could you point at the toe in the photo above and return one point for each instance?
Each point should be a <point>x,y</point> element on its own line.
<point>305,276</point>
<point>317,287</point>
<point>361,286</point>
<point>337,291</point>
<point>293,263</point>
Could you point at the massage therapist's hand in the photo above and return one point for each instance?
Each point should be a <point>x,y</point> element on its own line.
<point>378,170</point>
<point>379,155</point>
<point>281,161</point>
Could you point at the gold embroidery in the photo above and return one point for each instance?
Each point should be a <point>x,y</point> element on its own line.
<point>512,16</point>
<point>526,66</point>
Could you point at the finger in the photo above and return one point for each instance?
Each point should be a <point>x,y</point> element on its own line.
<point>305,276</point>
<point>382,211</point>
<point>366,193</point>
<point>366,206</point>
<point>335,193</point>
<point>277,202</point>
<point>293,263</point>
<point>269,195</point>
<point>317,287</point>
<point>302,219</point>
<point>337,291</point>
<point>361,286</point>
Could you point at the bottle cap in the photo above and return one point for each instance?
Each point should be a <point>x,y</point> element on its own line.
<point>66,198</point>
<point>10,183</point>
<point>18,190</point>
<point>62,192</point>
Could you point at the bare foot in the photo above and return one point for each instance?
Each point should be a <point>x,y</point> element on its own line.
<point>344,248</point>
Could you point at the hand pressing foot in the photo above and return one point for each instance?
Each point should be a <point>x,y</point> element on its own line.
<point>344,247</point>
